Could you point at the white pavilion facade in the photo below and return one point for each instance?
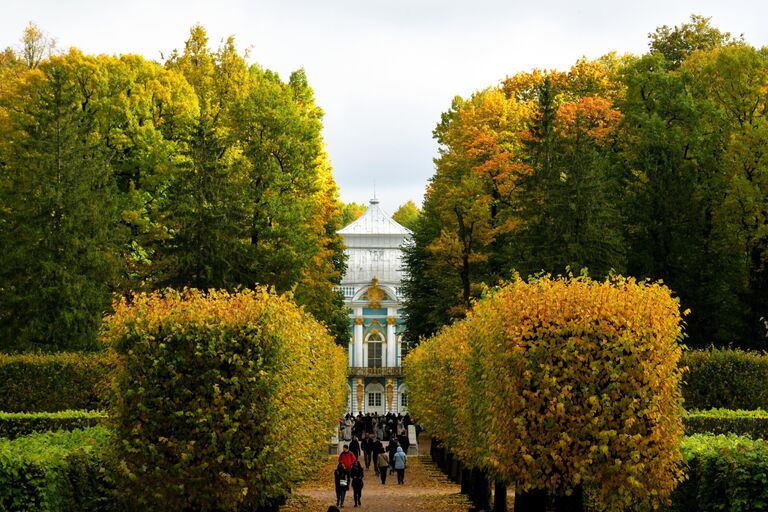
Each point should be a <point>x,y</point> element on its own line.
<point>371,289</point>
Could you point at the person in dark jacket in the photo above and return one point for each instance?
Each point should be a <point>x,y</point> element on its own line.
<point>357,475</point>
<point>378,449</point>
<point>341,481</point>
<point>391,450</point>
<point>354,447</point>
<point>367,446</point>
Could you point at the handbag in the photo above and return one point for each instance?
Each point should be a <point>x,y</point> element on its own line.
<point>343,483</point>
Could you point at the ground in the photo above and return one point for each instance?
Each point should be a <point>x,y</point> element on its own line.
<point>426,489</point>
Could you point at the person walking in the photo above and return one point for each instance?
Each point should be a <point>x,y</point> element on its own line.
<point>347,458</point>
<point>354,447</point>
<point>383,461</point>
<point>392,450</point>
<point>341,481</point>
<point>357,475</point>
<point>400,463</point>
<point>378,448</point>
<point>368,443</point>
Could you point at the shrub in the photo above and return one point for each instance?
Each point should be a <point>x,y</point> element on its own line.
<point>561,382</point>
<point>724,473</point>
<point>53,382</point>
<point>17,424</point>
<point>222,400</point>
<point>725,378</point>
<point>56,472</point>
<point>723,421</point>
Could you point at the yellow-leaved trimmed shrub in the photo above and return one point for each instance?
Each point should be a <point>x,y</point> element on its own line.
<point>223,400</point>
<point>564,382</point>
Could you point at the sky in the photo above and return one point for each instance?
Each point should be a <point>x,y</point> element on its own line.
<point>383,71</point>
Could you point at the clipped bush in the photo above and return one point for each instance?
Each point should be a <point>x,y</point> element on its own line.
<point>724,421</point>
<point>222,400</point>
<point>53,382</point>
<point>725,378</point>
<point>56,472</point>
<point>725,472</point>
<point>17,424</point>
<point>569,382</point>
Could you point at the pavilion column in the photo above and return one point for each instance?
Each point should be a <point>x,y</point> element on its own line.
<point>391,337</point>
<point>358,343</point>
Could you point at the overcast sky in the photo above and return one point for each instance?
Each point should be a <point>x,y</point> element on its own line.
<point>383,71</point>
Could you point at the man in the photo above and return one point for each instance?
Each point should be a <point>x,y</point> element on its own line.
<point>368,450</point>
<point>347,458</point>
<point>354,447</point>
<point>378,449</point>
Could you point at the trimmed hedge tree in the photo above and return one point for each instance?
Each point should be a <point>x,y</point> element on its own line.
<point>224,400</point>
<point>54,382</point>
<point>568,382</point>
<point>725,378</point>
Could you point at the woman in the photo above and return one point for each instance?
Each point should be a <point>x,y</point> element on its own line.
<point>357,481</point>
<point>400,463</point>
<point>341,480</point>
<point>383,461</point>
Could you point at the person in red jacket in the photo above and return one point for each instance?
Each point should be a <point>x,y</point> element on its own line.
<point>347,458</point>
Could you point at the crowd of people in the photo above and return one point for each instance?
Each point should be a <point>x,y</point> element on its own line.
<point>367,436</point>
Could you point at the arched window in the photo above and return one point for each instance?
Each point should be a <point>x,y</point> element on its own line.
<point>375,343</point>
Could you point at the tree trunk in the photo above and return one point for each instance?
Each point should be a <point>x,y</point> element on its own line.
<point>531,501</point>
<point>500,497</point>
<point>481,490</point>
<point>466,480</point>
<point>572,503</point>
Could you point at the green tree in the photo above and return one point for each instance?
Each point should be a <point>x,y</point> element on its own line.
<point>350,212</point>
<point>406,215</point>
<point>58,223</point>
<point>679,42</point>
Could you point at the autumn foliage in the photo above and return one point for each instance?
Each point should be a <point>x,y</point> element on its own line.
<point>557,383</point>
<point>215,391</point>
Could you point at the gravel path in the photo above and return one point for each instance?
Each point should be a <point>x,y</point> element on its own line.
<point>426,489</point>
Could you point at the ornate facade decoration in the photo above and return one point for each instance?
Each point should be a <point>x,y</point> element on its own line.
<point>375,294</point>
<point>371,292</point>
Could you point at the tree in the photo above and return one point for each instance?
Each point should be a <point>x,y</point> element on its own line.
<point>679,42</point>
<point>350,212</point>
<point>406,215</point>
<point>58,223</point>
<point>36,46</point>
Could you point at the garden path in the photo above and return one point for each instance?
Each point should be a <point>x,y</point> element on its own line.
<point>426,489</point>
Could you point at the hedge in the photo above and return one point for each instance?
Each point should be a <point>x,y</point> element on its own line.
<point>753,424</point>
<point>222,400</point>
<point>556,384</point>
<point>56,472</point>
<point>725,378</point>
<point>17,424</point>
<point>723,473</point>
<point>53,382</point>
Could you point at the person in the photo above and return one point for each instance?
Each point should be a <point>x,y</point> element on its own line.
<point>368,443</point>
<point>402,440</point>
<point>400,463</point>
<point>347,458</point>
<point>357,475</point>
<point>378,448</point>
<point>383,461</point>
<point>348,428</point>
<point>341,482</point>
<point>354,446</point>
<point>392,450</point>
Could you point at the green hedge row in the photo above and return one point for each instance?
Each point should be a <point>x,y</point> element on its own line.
<point>723,473</point>
<point>725,378</point>
<point>56,472</point>
<point>724,421</point>
<point>17,424</point>
<point>53,382</point>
